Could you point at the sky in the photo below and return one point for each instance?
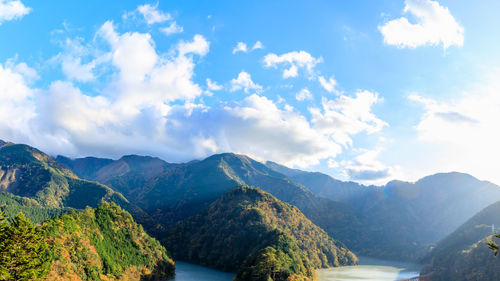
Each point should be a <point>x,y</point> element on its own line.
<point>367,91</point>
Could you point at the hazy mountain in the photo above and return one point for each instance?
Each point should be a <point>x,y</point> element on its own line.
<point>104,244</point>
<point>463,255</point>
<point>404,219</point>
<point>247,226</point>
<point>356,195</point>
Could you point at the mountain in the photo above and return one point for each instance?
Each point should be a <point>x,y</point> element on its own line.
<point>250,231</point>
<point>123,175</point>
<point>464,255</point>
<point>11,205</point>
<point>172,192</point>
<point>326,186</point>
<point>29,173</point>
<point>94,244</point>
<point>403,219</point>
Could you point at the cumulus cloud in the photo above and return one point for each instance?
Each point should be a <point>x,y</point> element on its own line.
<point>328,85</point>
<point>148,103</point>
<point>240,47</point>
<point>77,61</point>
<point>346,116</point>
<point>173,28</point>
<point>212,85</point>
<point>152,14</point>
<point>12,9</point>
<point>16,105</point>
<point>199,46</point>
<point>244,82</point>
<point>304,94</point>
<point>294,61</point>
<point>434,25</point>
<point>257,45</point>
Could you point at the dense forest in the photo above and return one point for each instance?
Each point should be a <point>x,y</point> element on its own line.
<point>464,254</point>
<point>250,227</point>
<point>94,244</point>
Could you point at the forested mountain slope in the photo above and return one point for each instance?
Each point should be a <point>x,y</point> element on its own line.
<point>251,232</point>
<point>94,244</point>
<point>29,173</point>
<point>464,255</point>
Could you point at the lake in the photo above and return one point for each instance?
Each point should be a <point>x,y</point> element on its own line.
<point>370,269</point>
<point>189,272</point>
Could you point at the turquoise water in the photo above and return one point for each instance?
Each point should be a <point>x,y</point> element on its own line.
<point>190,272</point>
<point>371,269</point>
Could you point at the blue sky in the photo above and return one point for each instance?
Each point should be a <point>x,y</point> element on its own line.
<point>367,91</point>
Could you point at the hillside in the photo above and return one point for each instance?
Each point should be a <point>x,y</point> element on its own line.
<point>123,175</point>
<point>463,255</point>
<point>94,244</point>
<point>404,219</point>
<point>29,173</point>
<point>182,190</point>
<point>246,229</point>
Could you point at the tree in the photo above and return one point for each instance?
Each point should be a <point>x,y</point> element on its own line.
<point>493,245</point>
<point>4,225</point>
<point>24,251</point>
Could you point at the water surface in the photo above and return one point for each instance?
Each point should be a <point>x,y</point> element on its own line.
<point>370,269</point>
<point>189,272</point>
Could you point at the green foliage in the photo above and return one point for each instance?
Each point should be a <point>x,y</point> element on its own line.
<point>493,245</point>
<point>33,210</point>
<point>465,254</point>
<point>23,251</point>
<point>247,225</point>
<point>104,242</point>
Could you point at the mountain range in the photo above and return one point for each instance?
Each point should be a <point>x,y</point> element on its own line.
<point>400,220</point>
<point>172,201</point>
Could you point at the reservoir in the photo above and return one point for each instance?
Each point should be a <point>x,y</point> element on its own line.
<point>189,272</point>
<point>369,269</point>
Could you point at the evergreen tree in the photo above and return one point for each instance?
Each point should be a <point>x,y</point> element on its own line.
<point>4,225</point>
<point>25,251</point>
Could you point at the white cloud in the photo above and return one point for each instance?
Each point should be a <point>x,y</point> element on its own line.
<point>346,116</point>
<point>367,168</point>
<point>304,94</point>
<point>332,164</point>
<point>16,105</point>
<point>212,85</point>
<point>77,61</point>
<point>257,45</point>
<point>146,102</point>
<point>29,74</point>
<point>244,82</point>
<point>12,9</point>
<point>173,28</point>
<point>294,61</point>
<point>462,131</point>
<point>240,47</point>
<point>199,46</point>
<point>434,25</point>
<point>328,85</point>
<point>152,14</point>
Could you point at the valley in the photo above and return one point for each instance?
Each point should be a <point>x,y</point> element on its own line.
<point>291,224</point>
